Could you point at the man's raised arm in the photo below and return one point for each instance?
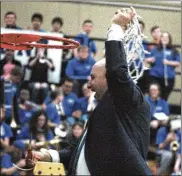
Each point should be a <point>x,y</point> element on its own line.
<point>120,85</point>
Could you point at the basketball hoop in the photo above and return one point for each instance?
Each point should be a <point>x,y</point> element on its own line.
<point>16,41</point>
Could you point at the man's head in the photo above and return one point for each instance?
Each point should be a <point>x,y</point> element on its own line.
<point>156,33</point>
<point>57,24</point>
<point>97,80</point>
<point>86,91</point>
<point>142,26</point>
<point>57,95</point>
<point>16,74</point>
<point>24,95</point>
<point>67,86</point>
<point>154,91</point>
<point>10,19</point>
<point>87,26</point>
<point>9,54</point>
<point>37,20</point>
<point>83,52</point>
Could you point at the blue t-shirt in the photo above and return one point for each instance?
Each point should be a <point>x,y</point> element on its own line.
<point>25,134</point>
<point>69,103</point>
<point>52,113</point>
<point>78,69</point>
<point>85,40</point>
<point>160,105</point>
<point>25,115</point>
<point>10,90</point>
<point>162,134</point>
<point>82,104</point>
<point>157,69</point>
<point>5,131</point>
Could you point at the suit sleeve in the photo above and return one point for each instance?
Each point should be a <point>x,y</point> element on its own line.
<point>121,87</point>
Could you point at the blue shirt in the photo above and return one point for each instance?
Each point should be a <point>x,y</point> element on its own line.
<point>162,134</point>
<point>10,90</point>
<point>5,131</point>
<point>85,40</point>
<point>160,105</point>
<point>25,115</point>
<point>25,134</point>
<point>52,113</point>
<point>69,103</point>
<point>83,104</point>
<point>78,69</point>
<point>6,161</point>
<point>157,69</point>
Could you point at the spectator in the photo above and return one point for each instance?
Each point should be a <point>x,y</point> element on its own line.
<point>10,20</point>
<point>39,66</point>
<point>165,59</point>
<point>84,39</point>
<point>25,110</point>
<point>8,62</point>
<point>57,24</point>
<point>87,103</point>
<point>156,35</point>
<point>52,109</point>
<point>11,81</point>
<point>164,138</point>
<point>157,105</point>
<point>79,68</point>
<point>37,20</point>
<point>37,129</point>
<point>143,81</point>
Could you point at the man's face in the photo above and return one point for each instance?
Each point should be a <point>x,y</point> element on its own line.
<point>154,91</point>
<point>77,131</point>
<point>67,87</point>
<point>97,80</point>
<point>156,34</point>
<point>9,54</point>
<point>87,27</point>
<point>56,27</point>
<point>10,19</point>
<point>83,54</point>
<point>41,121</point>
<point>36,23</point>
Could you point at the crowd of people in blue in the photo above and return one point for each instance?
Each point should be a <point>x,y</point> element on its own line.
<point>45,112</point>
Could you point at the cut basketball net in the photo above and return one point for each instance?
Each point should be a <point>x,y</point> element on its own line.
<point>17,41</point>
<point>134,49</point>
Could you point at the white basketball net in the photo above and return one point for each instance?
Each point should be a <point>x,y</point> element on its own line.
<point>134,49</point>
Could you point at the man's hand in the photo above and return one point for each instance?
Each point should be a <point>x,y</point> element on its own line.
<point>123,16</point>
<point>171,137</point>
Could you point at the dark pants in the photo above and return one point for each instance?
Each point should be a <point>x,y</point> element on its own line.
<point>165,90</point>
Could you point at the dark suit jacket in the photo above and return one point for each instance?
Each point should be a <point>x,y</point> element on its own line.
<point>118,132</point>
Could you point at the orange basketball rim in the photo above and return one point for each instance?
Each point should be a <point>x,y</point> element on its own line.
<point>15,41</point>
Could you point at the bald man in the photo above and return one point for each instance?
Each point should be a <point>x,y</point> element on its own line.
<point>115,141</point>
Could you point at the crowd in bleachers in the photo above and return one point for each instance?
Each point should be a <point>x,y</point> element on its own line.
<point>54,115</point>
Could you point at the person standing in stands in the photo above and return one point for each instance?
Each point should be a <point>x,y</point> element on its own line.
<point>57,24</point>
<point>39,66</point>
<point>84,39</point>
<point>164,59</point>
<point>79,68</point>
<point>8,62</point>
<point>156,35</point>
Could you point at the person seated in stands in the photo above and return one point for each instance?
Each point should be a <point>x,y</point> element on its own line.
<point>157,106</point>
<point>72,139</point>
<point>39,65</point>
<point>87,103</point>
<point>165,137</point>
<point>164,59</point>
<point>53,108</point>
<point>79,68</point>
<point>11,81</point>
<point>8,62</point>
<point>84,39</point>
<point>37,130</point>
<point>10,18</point>
<point>26,108</point>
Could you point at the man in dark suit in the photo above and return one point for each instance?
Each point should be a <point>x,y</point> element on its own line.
<point>116,138</point>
